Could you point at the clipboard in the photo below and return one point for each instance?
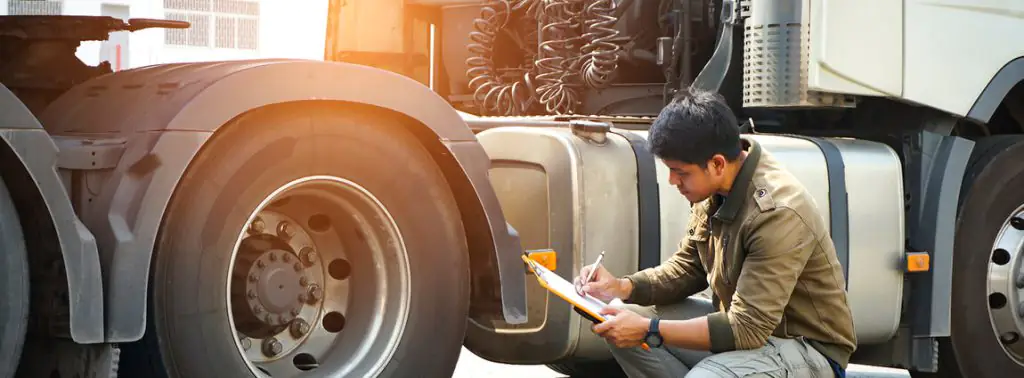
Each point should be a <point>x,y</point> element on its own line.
<point>586,305</point>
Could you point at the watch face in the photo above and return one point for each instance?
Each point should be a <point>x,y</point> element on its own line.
<point>653,340</point>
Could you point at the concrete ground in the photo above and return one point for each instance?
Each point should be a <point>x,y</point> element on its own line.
<point>471,366</point>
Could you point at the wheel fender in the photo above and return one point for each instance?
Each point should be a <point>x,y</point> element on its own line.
<point>49,221</point>
<point>1010,75</point>
<point>168,112</point>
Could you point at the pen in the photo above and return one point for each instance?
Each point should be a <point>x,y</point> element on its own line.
<point>590,275</point>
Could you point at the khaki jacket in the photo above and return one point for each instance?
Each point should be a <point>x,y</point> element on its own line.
<point>770,262</point>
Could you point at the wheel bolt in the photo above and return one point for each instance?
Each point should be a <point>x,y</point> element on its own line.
<point>298,267</point>
<point>260,264</point>
<point>256,309</point>
<point>295,312</point>
<point>1020,282</point>
<point>271,347</point>
<point>273,256</point>
<point>246,343</point>
<point>287,257</point>
<point>251,294</point>
<point>299,328</point>
<point>315,293</point>
<point>253,277</point>
<point>304,281</point>
<point>285,231</point>
<point>257,226</point>
<point>303,298</point>
<point>308,256</point>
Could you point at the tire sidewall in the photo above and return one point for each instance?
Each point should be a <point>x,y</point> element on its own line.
<point>991,197</point>
<point>217,199</point>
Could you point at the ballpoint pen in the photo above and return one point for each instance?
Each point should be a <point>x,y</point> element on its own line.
<point>590,275</point>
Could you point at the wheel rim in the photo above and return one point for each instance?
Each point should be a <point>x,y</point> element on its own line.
<point>319,281</point>
<point>1006,286</point>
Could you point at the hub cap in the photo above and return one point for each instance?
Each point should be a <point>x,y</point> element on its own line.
<point>1006,286</point>
<point>319,280</point>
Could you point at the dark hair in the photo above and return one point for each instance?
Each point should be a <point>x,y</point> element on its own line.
<point>694,127</point>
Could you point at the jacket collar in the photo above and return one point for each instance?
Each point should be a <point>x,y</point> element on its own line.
<point>728,211</point>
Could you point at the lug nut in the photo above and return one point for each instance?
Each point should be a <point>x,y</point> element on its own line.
<point>304,281</point>
<point>261,264</point>
<point>298,267</point>
<point>271,347</point>
<point>273,256</point>
<point>287,257</point>
<point>299,328</point>
<point>253,277</point>
<point>285,231</point>
<point>315,293</point>
<point>251,294</point>
<point>257,226</point>
<point>246,343</point>
<point>303,298</point>
<point>295,312</point>
<point>308,256</point>
<point>256,309</point>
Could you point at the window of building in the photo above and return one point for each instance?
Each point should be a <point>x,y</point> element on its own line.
<point>230,24</point>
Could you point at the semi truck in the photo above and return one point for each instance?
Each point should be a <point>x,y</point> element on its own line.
<point>365,215</point>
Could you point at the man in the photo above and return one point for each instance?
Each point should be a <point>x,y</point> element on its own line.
<point>755,236</point>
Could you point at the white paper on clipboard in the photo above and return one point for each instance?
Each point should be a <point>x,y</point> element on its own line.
<point>567,290</point>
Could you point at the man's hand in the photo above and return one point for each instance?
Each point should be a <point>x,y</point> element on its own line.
<point>603,286</point>
<point>626,329</point>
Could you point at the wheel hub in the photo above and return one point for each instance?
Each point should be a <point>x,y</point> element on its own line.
<point>1006,286</point>
<point>274,295</point>
<point>300,301</point>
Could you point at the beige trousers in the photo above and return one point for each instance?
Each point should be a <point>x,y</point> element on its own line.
<point>779,358</point>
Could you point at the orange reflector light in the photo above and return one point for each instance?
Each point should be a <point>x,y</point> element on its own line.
<point>545,257</point>
<point>918,262</point>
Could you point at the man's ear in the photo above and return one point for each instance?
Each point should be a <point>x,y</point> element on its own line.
<point>717,164</point>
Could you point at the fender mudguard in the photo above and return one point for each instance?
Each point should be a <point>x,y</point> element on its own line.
<point>167,112</point>
<point>52,229</point>
<point>996,90</point>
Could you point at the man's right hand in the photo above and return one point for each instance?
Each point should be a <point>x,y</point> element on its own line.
<point>604,285</point>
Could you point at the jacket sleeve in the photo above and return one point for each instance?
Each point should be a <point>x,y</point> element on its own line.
<point>779,244</point>
<point>681,276</point>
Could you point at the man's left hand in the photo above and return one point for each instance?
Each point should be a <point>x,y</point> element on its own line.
<point>626,329</point>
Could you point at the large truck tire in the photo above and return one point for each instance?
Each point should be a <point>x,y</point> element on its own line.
<point>986,339</point>
<point>308,237</point>
<point>14,286</point>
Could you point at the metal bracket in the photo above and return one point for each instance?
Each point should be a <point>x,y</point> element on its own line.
<point>711,76</point>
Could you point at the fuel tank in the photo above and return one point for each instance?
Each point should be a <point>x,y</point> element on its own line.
<point>581,193</point>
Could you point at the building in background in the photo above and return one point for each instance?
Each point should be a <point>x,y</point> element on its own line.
<point>221,29</point>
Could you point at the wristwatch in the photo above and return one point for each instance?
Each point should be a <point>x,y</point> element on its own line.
<point>653,337</point>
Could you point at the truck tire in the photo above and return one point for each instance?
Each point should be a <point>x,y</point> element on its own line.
<point>991,198</point>
<point>295,226</point>
<point>14,281</point>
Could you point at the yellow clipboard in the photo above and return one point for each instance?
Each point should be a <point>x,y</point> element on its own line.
<point>587,306</point>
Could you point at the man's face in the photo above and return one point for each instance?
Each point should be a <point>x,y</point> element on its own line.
<point>692,181</point>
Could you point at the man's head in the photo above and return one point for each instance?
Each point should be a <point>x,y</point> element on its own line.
<point>698,138</point>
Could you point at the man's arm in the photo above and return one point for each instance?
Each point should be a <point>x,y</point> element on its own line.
<point>779,248</point>
<point>681,276</point>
